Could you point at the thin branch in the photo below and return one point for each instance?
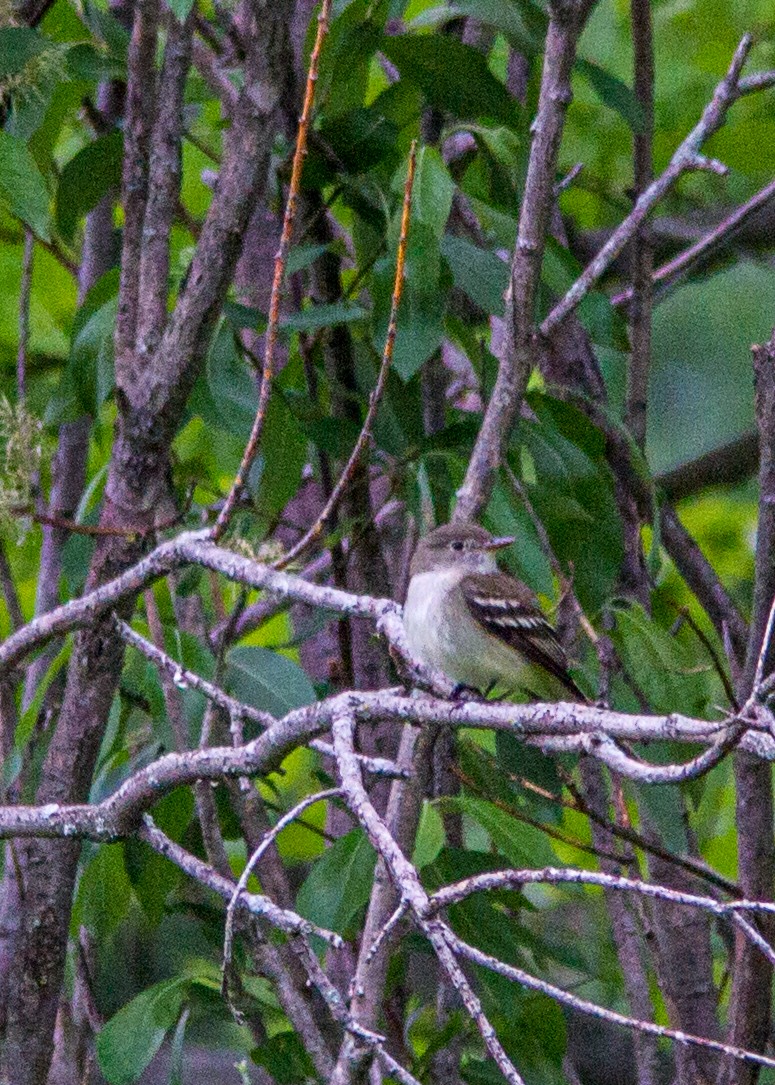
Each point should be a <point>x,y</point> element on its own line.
<point>565,26</point>
<point>164,177</point>
<point>727,465</point>
<point>687,157</point>
<point>281,258</point>
<point>642,257</point>
<point>239,889</point>
<point>679,267</point>
<point>140,111</point>
<point>532,983</point>
<point>406,879</point>
<point>255,903</point>
<point>498,879</point>
<point>365,436</point>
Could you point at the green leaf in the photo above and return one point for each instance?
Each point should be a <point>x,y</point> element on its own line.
<point>453,77</point>
<point>522,23</point>
<point>481,275</point>
<point>181,9</point>
<point>421,313</point>
<point>522,844</point>
<point>18,46</point>
<point>432,192</point>
<point>86,178</point>
<point>267,680</point>
<point>22,187</point>
<point>285,1058</point>
<point>339,884</point>
<point>613,93</point>
<point>315,317</point>
<point>131,1038</point>
<point>104,893</point>
<point>176,1048</point>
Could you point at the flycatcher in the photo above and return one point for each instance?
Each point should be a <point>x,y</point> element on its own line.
<point>478,625</point>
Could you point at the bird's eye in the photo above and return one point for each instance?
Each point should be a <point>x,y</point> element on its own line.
<point>456,545</point>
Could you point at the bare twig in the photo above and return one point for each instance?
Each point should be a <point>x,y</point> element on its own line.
<point>676,269</point>
<point>405,877</point>
<point>281,258</point>
<point>256,903</point>
<point>239,889</point>
<point>364,437</point>
<point>532,983</point>
<point>687,157</point>
<point>565,26</point>
<point>642,261</point>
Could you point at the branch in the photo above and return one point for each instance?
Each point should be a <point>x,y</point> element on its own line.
<point>532,983</point>
<point>642,256</point>
<point>565,25</point>
<point>687,157</point>
<point>164,174</point>
<point>364,437</point>
<point>406,879</point>
<point>676,269</point>
<point>281,258</point>
<point>255,903</point>
<point>140,108</point>
<point>727,465</point>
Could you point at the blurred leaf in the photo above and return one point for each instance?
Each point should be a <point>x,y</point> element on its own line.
<point>18,46</point>
<point>339,884</point>
<point>523,24</point>
<point>454,77</point>
<point>181,9</point>
<point>315,317</point>
<point>421,313</point>
<point>480,274</point>
<point>430,836</point>
<point>284,1057</point>
<point>267,680</point>
<point>104,893</point>
<point>22,187</point>
<point>664,810</point>
<point>86,178</point>
<point>132,1037</point>
<point>432,192</point>
<point>663,666</point>
<point>613,93</point>
<point>176,1048</point>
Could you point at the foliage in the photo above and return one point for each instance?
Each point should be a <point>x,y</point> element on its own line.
<point>391,71</point>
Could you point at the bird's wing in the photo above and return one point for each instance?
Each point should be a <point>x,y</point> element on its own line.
<point>507,610</point>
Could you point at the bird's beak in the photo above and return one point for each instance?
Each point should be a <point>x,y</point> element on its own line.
<point>498,544</point>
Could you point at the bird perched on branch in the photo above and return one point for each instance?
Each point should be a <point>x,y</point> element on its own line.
<point>480,626</point>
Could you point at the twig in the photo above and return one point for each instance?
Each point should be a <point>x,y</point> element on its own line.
<point>281,258</point>
<point>676,269</point>
<point>642,258</point>
<point>538,198</point>
<point>687,157</point>
<point>406,879</point>
<point>765,647</point>
<point>364,437</point>
<point>256,903</point>
<point>532,983</point>
<point>241,885</point>
<point>236,710</point>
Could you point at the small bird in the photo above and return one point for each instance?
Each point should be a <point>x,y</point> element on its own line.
<point>478,625</point>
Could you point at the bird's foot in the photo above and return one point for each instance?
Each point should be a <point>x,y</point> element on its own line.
<point>462,692</point>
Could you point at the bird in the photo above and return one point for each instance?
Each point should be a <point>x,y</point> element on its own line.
<point>480,626</point>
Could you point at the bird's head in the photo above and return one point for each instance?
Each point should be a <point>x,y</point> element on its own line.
<point>465,546</point>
